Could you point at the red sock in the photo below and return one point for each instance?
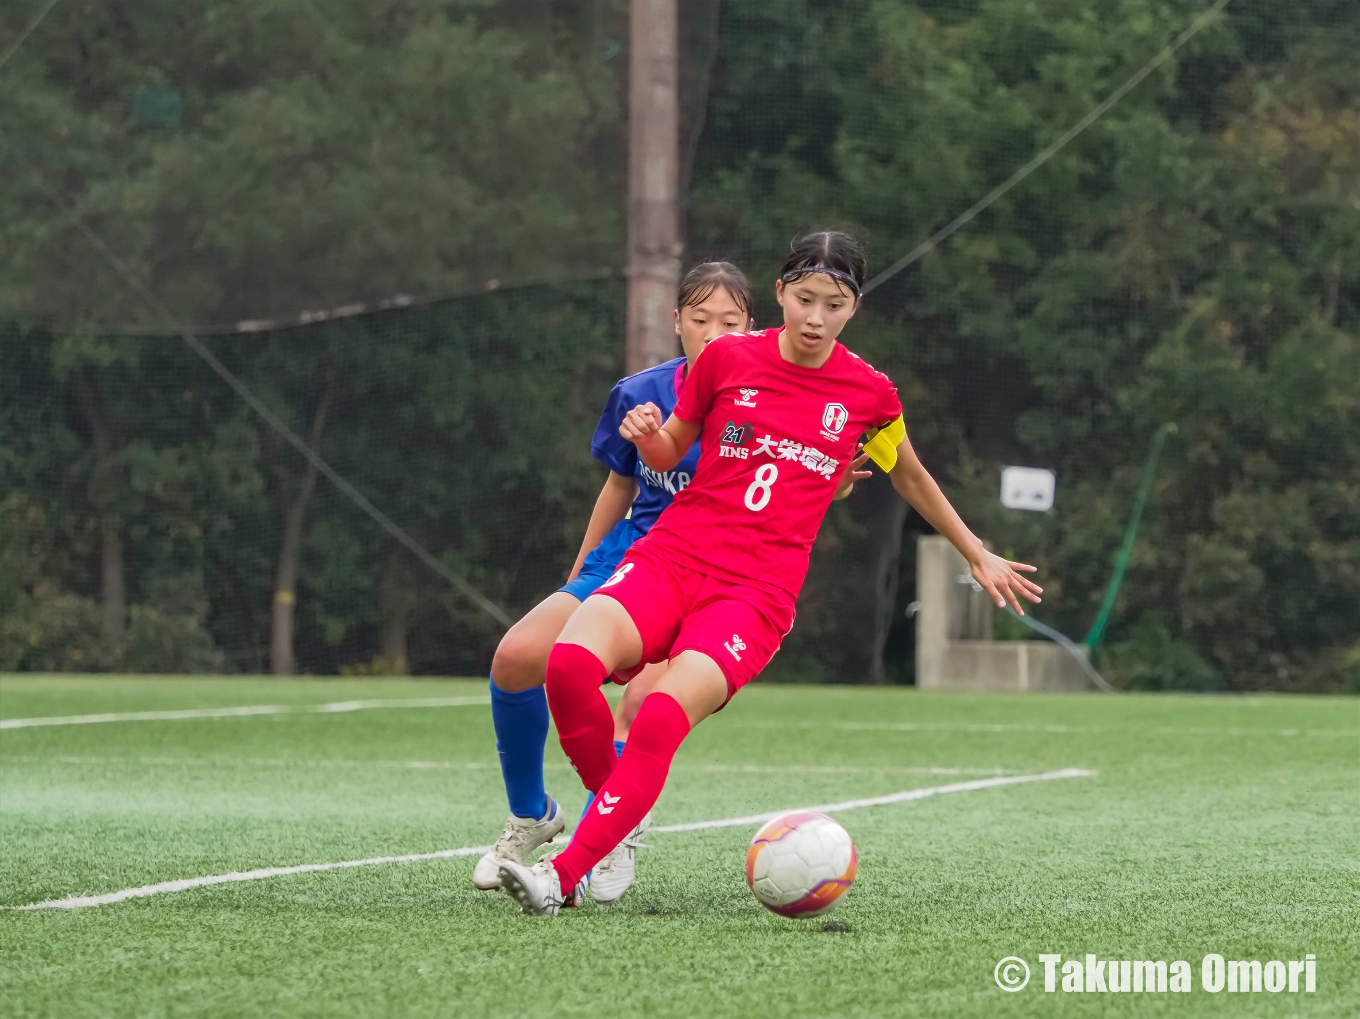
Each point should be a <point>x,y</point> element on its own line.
<point>661,726</point>
<point>585,725</point>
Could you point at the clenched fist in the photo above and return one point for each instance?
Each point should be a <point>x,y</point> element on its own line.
<point>643,420</point>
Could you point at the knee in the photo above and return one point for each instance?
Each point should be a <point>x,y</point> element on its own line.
<point>661,726</point>
<point>518,663</point>
<point>634,693</point>
<point>571,670</point>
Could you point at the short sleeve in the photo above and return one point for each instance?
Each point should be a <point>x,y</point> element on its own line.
<point>889,407</point>
<point>607,445</point>
<point>696,399</point>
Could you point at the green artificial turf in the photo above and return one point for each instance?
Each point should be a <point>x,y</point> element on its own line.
<point>1214,824</point>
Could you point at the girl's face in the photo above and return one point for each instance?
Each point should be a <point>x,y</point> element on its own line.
<point>697,325</point>
<point>816,308</point>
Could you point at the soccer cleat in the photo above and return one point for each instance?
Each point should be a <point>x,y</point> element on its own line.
<point>537,889</point>
<point>614,874</point>
<point>520,837</point>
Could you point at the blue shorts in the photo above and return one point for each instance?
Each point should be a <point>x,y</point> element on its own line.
<point>602,560</point>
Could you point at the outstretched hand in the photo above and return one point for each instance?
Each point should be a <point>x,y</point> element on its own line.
<point>853,475</point>
<point>1002,580</point>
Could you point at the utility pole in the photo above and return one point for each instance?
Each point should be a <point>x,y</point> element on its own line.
<point>654,245</point>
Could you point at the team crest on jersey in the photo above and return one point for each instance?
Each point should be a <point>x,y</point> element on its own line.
<point>748,398</point>
<point>834,419</point>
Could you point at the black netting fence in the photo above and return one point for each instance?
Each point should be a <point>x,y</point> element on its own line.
<point>156,522</point>
<point>304,186</point>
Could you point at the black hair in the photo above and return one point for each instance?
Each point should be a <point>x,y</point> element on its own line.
<point>830,252</point>
<point>701,282</point>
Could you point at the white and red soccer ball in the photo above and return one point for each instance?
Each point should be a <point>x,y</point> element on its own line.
<point>800,864</point>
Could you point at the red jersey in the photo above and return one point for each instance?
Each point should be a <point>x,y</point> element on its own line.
<point>776,439</point>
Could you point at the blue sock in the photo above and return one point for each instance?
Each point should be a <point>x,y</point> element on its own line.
<point>521,721</point>
<point>590,797</point>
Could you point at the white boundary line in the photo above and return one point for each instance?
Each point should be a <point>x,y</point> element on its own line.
<point>338,762</point>
<point>334,707</point>
<point>875,801</point>
<point>1080,730</point>
<point>84,901</point>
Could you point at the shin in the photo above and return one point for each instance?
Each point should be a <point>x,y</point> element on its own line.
<point>585,725</point>
<point>630,791</point>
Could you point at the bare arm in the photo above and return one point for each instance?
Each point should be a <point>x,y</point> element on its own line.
<point>661,446</point>
<point>611,506</point>
<point>999,577</point>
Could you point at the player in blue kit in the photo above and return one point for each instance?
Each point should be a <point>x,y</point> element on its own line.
<point>714,299</point>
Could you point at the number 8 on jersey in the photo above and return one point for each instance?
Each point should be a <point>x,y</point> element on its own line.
<point>758,495</point>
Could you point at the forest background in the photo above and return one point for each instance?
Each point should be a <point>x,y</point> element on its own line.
<point>401,225</point>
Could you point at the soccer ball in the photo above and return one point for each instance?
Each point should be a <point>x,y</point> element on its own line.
<point>800,864</point>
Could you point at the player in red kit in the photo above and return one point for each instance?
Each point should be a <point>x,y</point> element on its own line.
<point>711,587</point>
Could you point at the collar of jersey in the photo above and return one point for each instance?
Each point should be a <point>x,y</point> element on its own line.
<point>773,337</point>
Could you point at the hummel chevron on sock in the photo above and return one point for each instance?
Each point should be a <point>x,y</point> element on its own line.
<point>521,723</point>
<point>585,725</point>
<point>590,797</point>
<point>630,791</point>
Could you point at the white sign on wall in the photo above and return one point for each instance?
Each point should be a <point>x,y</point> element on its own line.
<point>1028,488</point>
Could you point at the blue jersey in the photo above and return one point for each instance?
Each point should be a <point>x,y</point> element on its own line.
<point>660,385</point>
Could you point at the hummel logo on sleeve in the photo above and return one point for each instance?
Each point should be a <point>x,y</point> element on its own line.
<point>611,800</point>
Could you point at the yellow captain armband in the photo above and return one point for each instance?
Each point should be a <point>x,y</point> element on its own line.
<point>882,443</point>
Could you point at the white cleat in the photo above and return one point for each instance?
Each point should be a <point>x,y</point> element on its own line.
<point>537,889</point>
<point>520,837</point>
<point>615,873</point>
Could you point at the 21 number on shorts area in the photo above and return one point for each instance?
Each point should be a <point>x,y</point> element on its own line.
<point>758,495</point>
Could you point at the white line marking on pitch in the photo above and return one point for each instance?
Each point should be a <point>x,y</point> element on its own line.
<point>875,801</point>
<point>286,762</point>
<point>1083,730</point>
<point>333,707</point>
<point>262,762</point>
<point>837,769</point>
<point>84,901</point>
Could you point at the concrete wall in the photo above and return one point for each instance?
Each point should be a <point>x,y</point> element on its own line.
<point>954,649</point>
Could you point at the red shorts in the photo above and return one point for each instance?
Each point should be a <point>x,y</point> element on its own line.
<point>676,609</point>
